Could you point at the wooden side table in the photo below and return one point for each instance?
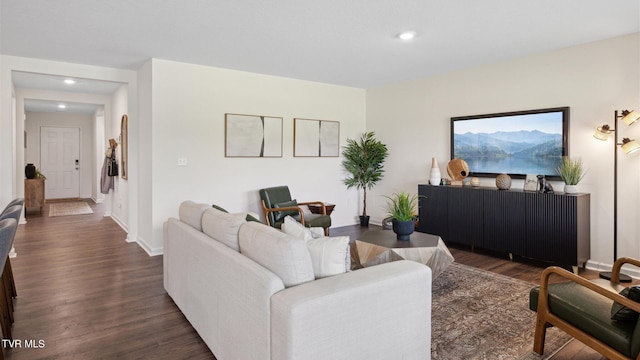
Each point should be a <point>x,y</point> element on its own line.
<point>317,209</point>
<point>33,194</point>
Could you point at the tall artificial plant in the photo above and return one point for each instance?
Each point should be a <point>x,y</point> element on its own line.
<point>364,161</point>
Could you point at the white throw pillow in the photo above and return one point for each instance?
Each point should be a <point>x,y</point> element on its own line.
<point>222,226</point>
<point>292,227</point>
<point>282,254</point>
<point>330,255</point>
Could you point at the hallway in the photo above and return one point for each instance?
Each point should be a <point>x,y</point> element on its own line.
<point>84,293</point>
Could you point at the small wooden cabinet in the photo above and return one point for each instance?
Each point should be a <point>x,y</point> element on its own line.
<point>33,193</point>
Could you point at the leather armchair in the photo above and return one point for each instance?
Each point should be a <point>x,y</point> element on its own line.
<point>277,203</point>
<point>582,309</point>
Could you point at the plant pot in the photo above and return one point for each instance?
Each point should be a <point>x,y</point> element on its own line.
<point>403,229</point>
<point>570,189</point>
<point>364,221</point>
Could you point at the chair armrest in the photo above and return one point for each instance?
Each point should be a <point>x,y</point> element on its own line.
<point>299,209</point>
<point>322,206</point>
<point>543,298</point>
<point>617,266</point>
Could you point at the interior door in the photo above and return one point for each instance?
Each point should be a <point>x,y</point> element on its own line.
<point>60,161</point>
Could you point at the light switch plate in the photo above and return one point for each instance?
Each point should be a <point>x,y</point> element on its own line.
<point>182,161</point>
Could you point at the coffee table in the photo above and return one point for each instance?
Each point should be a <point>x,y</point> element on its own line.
<point>375,247</point>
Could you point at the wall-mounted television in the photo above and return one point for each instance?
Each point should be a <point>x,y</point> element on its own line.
<point>516,143</point>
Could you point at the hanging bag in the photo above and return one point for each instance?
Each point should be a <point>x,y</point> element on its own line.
<point>113,164</point>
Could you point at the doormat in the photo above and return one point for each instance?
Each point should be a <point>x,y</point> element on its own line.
<point>69,208</point>
<point>477,314</point>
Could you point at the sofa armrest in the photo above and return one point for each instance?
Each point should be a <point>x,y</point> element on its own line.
<point>381,312</point>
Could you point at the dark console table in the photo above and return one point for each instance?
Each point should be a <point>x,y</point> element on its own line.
<point>553,228</point>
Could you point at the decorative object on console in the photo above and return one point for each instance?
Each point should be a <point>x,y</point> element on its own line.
<point>628,146</point>
<point>434,176</point>
<point>531,183</point>
<point>475,181</point>
<point>402,208</point>
<point>458,169</point>
<point>503,181</point>
<point>544,186</point>
<point>364,160</point>
<point>571,172</point>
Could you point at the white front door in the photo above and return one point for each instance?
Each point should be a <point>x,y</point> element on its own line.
<point>60,161</point>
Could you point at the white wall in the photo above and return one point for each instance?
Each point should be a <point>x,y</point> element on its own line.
<point>188,107</point>
<point>119,197</point>
<point>36,120</point>
<point>595,79</point>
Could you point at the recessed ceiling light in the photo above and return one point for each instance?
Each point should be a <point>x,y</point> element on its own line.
<point>62,106</point>
<point>69,81</point>
<point>407,35</point>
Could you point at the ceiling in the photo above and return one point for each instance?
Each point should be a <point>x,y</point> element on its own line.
<point>351,43</point>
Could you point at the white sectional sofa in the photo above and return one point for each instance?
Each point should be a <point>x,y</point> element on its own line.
<point>244,310</point>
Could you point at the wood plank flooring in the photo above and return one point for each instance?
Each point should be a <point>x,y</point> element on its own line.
<point>87,294</point>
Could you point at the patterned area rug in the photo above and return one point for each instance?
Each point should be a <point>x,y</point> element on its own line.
<point>69,208</point>
<point>477,314</point>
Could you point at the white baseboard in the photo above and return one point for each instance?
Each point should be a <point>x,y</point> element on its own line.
<point>632,271</point>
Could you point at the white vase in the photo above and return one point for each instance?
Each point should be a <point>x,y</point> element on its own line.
<point>570,189</point>
<point>434,175</point>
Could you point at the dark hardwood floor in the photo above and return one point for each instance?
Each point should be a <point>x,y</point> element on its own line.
<point>84,293</point>
<point>87,294</point>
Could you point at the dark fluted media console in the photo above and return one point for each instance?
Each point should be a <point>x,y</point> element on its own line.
<point>554,228</point>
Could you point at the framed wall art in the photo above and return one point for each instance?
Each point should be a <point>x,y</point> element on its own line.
<point>319,138</point>
<point>516,143</point>
<point>252,136</point>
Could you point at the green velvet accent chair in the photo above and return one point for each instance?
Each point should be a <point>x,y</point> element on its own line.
<point>583,309</point>
<point>277,204</point>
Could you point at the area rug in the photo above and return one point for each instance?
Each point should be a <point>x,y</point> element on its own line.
<point>69,208</point>
<point>477,314</point>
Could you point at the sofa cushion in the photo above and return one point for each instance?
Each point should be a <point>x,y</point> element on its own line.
<point>282,254</point>
<point>222,226</point>
<point>281,214</point>
<point>622,313</point>
<point>329,255</point>
<point>190,213</point>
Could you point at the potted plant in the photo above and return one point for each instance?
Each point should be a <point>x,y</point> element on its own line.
<point>571,172</point>
<point>363,160</point>
<point>402,208</point>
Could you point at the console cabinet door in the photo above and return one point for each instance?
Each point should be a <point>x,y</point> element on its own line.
<point>433,210</point>
<point>465,222</point>
<point>504,218</point>
<point>558,226</point>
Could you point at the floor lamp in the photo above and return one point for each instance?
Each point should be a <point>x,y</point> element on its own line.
<point>628,146</point>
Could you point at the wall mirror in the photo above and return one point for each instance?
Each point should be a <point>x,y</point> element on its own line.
<point>124,147</point>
